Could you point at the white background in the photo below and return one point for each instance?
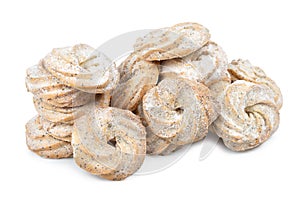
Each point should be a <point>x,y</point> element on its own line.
<point>265,32</point>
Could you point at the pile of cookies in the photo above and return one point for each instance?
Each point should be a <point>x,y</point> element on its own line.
<point>62,83</point>
<point>170,91</point>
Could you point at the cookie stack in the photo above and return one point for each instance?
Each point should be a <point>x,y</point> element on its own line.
<point>170,91</point>
<point>62,85</point>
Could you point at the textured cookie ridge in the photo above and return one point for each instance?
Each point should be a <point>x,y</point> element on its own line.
<point>43,144</point>
<point>137,77</point>
<point>109,142</point>
<point>244,70</point>
<point>172,42</point>
<point>177,112</point>
<point>82,67</point>
<point>249,116</point>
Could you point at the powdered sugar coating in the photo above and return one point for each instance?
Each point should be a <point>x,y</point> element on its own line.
<point>177,112</point>
<point>137,77</point>
<point>82,67</point>
<point>244,70</point>
<point>47,87</point>
<point>208,65</point>
<point>109,142</point>
<point>248,117</point>
<point>43,144</point>
<point>172,42</point>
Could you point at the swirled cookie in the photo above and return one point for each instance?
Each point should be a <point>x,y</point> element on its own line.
<point>172,42</point>
<point>47,87</point>
<point>208,65</point>
<point>244,70</point>
<point>178,112</point>
<point>249,116</point>
<point>57,114</point>
<point>137,77</point>
<point>43,144</point>
<point>109,142</point>
<point>82,67</point>
<point>59,131</point>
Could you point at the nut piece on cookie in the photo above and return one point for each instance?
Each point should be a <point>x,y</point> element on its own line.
<point>82,67</point>
<point>109,142</point>
<point>137,77</point>
<point>249,116</point>
<point>172,42</point>
<point>178,112</point>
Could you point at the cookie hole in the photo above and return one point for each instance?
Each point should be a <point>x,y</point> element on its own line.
<point>179,110</point>
<point>248,111</point>
<point>112,142</point>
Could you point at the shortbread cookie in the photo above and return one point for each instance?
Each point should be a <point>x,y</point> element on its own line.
<point>172,42</point>
<point>47,87</point>
<point>59,131</point>
<point>244,70</point>
<point>82,67</point>
<point>57,114</point>
<point>43,144</point>
<point>109,142</point>
<point>208,65</point>
<point>178,111</point>
<point>205,65</point>
<point>137,77</point>
<point>249,116</point>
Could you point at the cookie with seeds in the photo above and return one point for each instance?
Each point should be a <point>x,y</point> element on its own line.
<point>172,42</point>
<point>61,131</point>
<point>44,85</point>
<point>82,67</point>
<point>199,66</point>
<point>178,112</point>
<point>208,65</point>
<point>137,77</point>
<point>57,114</point>
<point>244,70</point>
<point>109,142</point>
<point>44,145</point>
<point>249,116</point>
